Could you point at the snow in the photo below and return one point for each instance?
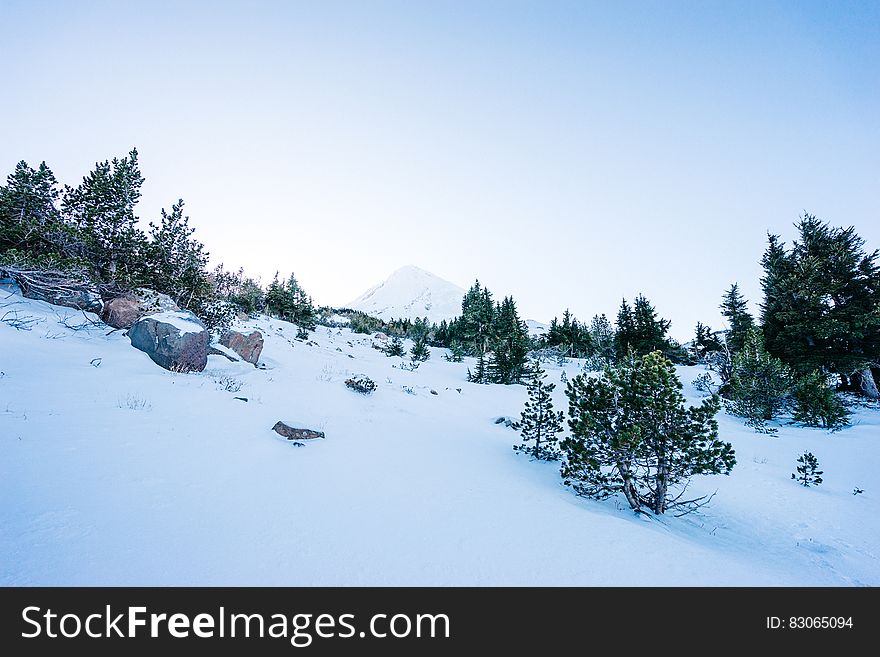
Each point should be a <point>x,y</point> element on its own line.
<point>411,292</point>
<point>181,320</point>
<point>122,473</point>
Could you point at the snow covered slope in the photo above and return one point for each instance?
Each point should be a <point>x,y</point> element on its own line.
<point>411,292</point>
<point>116,472</point>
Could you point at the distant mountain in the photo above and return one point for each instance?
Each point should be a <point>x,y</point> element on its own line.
<point>411,292</point>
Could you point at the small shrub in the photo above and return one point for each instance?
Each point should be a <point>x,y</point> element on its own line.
<point>229,384</point>
<point>133,403</point>
<point>361,383</point>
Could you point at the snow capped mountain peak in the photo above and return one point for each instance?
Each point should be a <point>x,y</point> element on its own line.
<point>411,292</point>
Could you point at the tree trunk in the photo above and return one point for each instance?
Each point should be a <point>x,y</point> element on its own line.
<point>867,385</point>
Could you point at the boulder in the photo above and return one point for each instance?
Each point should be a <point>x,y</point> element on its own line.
<point>124,311</point>
<point>249,347</point>
<point>177,341</point>
<point>292,433</point>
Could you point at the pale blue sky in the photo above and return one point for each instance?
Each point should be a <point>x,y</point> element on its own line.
<point>569,153</point>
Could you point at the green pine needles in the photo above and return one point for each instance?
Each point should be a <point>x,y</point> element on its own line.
<point>808,472</point>
<point>540,424</point>
<point>631,433</point>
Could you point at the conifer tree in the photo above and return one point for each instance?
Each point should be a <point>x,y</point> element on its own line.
<point>816,405</point>
<point>510,344</point>
<point>540,424</point>
<point>808,472</point>
<point>481,371</point>
<point>394,347</point>
<point>456,352</point>
<point>759,383</point>
<point>420,353</point>
<point>820,302</point>
<point>734,308</point>
<point>625,334</point>
<point>631,433</point>
<point>175,262</point>
<point>102,208</point>
<point>28,209</point>
<point>602,338</point>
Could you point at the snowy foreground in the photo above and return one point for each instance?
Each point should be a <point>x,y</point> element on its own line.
<point>126,474</point>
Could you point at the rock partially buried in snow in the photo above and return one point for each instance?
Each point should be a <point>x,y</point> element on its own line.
<point>249,347</point>
<point>293,433</point>
<point>177,341</point>
<point>124,311</point>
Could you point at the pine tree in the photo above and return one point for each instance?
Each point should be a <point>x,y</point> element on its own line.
<point>816,405</point>
<point>456,352</point>
<point>820,301</point>
<point>28,209</point>
<point>175,262</point>
<point>481,371</point>
<point>539,423</point>
<point>625,334</point>
<point>808,472</point>
<point>420,353</point>
<point>705,341</point>
<point>759,383</point>
<point>102,208</point>
<point>602,338</point>
<point>734,308</point>
<point>473,327</point>
<point>631,433</point>
<point>394,347</point>
<point>510,344</point>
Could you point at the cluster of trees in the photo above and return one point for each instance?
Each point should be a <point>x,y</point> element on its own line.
<point>637,331</point>
<point>90,236</point>
<point>819,331</point>
<point>490,331</point>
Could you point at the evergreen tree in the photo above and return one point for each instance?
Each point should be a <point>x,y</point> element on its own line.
<point>28,209</point>
<point>175,262</point>
<point>821,300</point>
<point>510,344</point>
<point>102,208</point>
<point>705,341</point>
<point>420,353</point>
<point>288,301</point>
<point>759,383</point>
<point>456,353</point>
<point>394,347</point>
<point>539,423</point>
<point>649,332</point>
<point>481,371</point>
<point>816,405</point>
<point>734,308</point>
<point>631,433</point>
<point>602,338</point>
<point>473,328</point>
<point>624,337</point>
<point>808,472</point>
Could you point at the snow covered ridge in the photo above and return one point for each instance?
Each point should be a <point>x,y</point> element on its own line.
<point>114,471</point>
<point>411,292</point>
